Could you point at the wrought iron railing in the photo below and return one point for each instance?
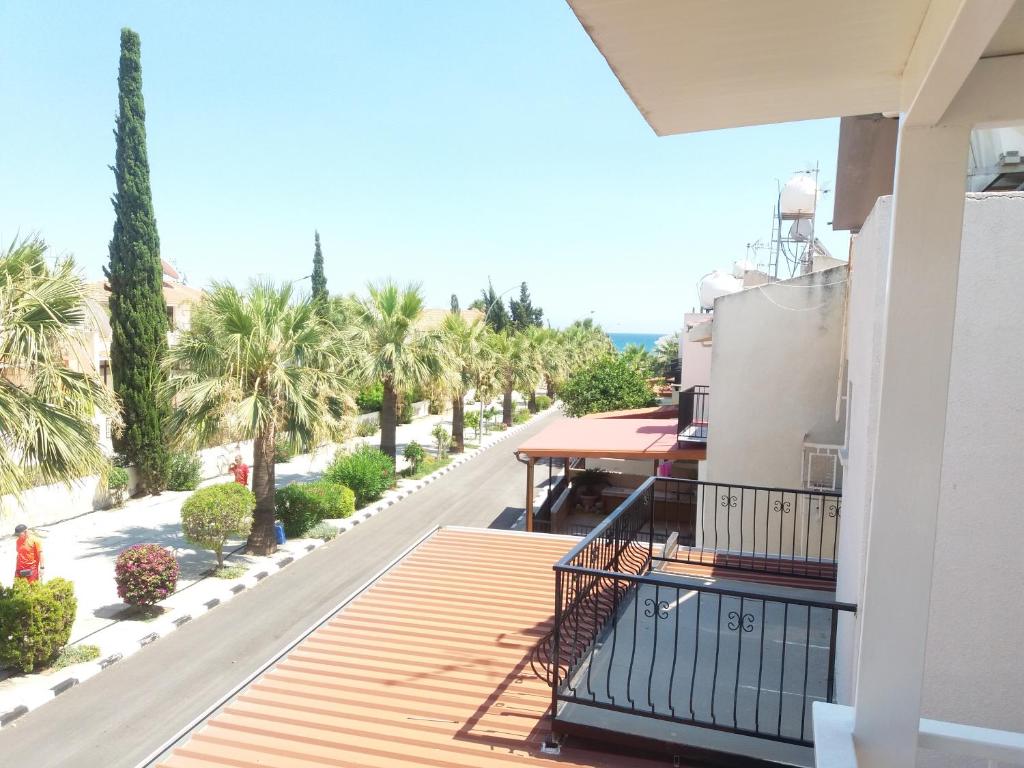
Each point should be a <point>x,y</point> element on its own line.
<point>784,531</point>
<point>645,642</point>
<point>693,414</point>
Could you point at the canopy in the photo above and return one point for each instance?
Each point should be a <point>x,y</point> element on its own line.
<point>647,439</point>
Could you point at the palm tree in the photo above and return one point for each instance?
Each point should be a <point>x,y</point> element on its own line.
<point>466,344</point>
<point>517,364</point>
<point>551,352</point>
<point>46,407</point>
<point>259,365</point>
<point>395,352</point>
<point>585,341</point>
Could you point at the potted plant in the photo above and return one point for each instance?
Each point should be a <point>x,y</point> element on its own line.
<point>588,485</point>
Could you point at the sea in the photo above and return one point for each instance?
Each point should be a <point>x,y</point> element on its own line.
<point>647,340</point>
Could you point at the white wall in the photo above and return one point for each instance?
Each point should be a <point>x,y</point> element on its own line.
<point>776,364</point>
<point>695,355</point>
<point>974,671</point>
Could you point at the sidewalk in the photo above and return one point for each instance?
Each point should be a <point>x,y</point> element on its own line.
<point>83,550</point>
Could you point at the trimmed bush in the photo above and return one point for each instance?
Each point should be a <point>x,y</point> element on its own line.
<point>543,402</point>
<point>371,399</point>
<point>36,618</point>
<point>145,574</point>
<point>211,515</point>
<point>184,472</point>
<point>324,531</point>
<point>367,471</point>
<point>117,485</point>
<point>414,454</point>
<point>301,506</point>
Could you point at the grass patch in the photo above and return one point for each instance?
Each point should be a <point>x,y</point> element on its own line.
<point>428,466</point>
<point>75,654</point>
<point>230,571</point>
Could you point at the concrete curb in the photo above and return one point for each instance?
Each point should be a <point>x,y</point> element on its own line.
<point>79,673</point>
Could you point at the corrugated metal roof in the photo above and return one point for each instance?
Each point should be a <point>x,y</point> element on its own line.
<point>429,666</point>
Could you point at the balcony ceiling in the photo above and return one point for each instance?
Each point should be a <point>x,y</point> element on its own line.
<point>695,65</point>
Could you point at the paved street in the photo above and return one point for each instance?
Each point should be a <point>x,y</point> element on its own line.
<point>118,717</point>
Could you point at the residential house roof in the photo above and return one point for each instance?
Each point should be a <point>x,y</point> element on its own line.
<point>428,666</point>
<point>648,439</point>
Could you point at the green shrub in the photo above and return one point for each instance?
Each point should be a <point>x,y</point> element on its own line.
<point>75,654</point>
<point>414,454</point>
<point>117,485</point>
<point>443,438</point>
<point>301,506</point>
<point>405,411</point>
<point>36,618</point>
<point>371,399</point>
<point>145,574</point>
<point>283,450</point>
<point>521,416</point>
<point>471,420</point>
<point>324,531</point>
<point>184,472</point>
<point>367,428</point>
<point>213,514</point>
<point>543,402</point>
<point>366,470</point>
<point>608,384</point>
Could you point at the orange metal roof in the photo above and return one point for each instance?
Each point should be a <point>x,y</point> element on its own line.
<point>429,666</point>
<point>611,438</point>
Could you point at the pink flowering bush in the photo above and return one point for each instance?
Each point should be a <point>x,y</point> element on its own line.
<point>145,574</point>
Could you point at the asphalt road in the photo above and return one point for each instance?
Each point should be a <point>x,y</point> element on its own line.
<point>120,716</point>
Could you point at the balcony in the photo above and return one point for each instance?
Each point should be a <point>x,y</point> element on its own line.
<point>714,644</point>
<point>694,410</point>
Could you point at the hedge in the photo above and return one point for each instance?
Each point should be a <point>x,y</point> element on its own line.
<point>301,506</point>
<point>36,618</point>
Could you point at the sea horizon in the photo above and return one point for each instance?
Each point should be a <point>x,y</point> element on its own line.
<point>646,340</point>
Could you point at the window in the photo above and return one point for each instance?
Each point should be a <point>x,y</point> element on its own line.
<point>822,470</point>
<point>170,318</point>
<point>105,372</point>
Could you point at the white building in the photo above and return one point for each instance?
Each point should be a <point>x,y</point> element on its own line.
<point>931,535</point>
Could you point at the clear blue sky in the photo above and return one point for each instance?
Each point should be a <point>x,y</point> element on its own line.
<point>440,142</point>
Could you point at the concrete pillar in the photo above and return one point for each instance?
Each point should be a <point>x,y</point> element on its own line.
<point>928,203</point>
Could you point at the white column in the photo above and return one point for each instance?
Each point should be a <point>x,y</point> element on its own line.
<point>924,257</point>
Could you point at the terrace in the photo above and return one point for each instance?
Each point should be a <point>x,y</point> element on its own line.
<point>672,648</point>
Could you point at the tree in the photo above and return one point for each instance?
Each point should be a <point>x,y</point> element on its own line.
<point>466,346</point>
<point>138,313</point>
<point>547,342</point>
<point>46,407</point>
<point>455,304</point>
<point>319,280</point>
<point>211,515</point>
<point>666,355</point>
<point>638,357</point>
<point>524,314</point>
<point>495,314</point>
<point>584,342</point>
<point>261,365</point>
<point>395,352</point>
<point>517,367</point>
<point>608,384</point>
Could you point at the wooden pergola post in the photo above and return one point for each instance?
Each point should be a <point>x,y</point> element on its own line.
<point>529,492</point>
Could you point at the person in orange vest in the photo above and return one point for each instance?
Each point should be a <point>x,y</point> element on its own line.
<point>29,560</point>
<point>240,470</point>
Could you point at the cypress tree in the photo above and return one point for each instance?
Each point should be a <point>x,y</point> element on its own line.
<point>319,280</point>
<point>138,313</point>
<point>455,304</point>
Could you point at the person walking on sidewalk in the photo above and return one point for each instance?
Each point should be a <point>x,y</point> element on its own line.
<point>29,561</point>
<point>240,470</point>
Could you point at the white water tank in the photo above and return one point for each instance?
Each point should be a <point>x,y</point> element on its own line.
<point>717,284</point>
<point>741,267</point>
<point>798,197</point>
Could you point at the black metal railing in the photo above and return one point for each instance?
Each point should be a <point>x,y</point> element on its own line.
<point>783,531</point>
<point>693,414</point>
<point>631,639</point>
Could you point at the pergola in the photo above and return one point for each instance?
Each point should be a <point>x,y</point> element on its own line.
<point>613,435</point>
<point>946,67</point>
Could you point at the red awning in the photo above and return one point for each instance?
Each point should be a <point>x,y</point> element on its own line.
<point>611,438</point>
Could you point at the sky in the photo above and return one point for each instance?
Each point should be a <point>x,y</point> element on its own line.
<point>442,143</point>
